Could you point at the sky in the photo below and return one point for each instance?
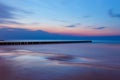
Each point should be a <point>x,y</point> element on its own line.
<point>59,17</point>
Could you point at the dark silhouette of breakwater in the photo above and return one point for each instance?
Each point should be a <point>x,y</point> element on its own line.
<point>40,42</point>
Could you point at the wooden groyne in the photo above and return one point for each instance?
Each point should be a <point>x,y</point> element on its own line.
<point>40,42</point>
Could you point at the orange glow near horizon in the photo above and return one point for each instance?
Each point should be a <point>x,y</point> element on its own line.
<point>78,31</point>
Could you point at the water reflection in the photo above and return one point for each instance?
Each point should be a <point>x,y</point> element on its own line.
<point>20,64</point>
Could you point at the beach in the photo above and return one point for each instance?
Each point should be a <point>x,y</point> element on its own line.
<point>76,61</point>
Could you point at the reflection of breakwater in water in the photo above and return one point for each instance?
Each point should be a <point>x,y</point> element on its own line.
<point>16,64</point>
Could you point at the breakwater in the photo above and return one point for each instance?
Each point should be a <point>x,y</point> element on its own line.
<point>42,42</point>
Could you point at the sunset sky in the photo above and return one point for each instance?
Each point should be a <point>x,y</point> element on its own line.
<point>64,17</point>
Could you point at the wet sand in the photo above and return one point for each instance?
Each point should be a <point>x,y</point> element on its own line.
<point>19,64</point>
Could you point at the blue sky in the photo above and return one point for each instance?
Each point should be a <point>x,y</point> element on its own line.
<point>71,17</point>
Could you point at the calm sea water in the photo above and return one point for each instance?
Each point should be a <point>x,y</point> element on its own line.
<point>80,61</point>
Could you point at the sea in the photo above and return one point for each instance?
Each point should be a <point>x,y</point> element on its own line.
<point>99,60</point>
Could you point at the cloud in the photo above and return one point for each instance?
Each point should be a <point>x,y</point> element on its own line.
<point>112,14</point>
<point>73,25</point>
<point>9,22</point>
<point>99,28</point>
<point>86,16</point>
<point>7,33</point>
<point>8,14</point>
<point>63,21</point>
